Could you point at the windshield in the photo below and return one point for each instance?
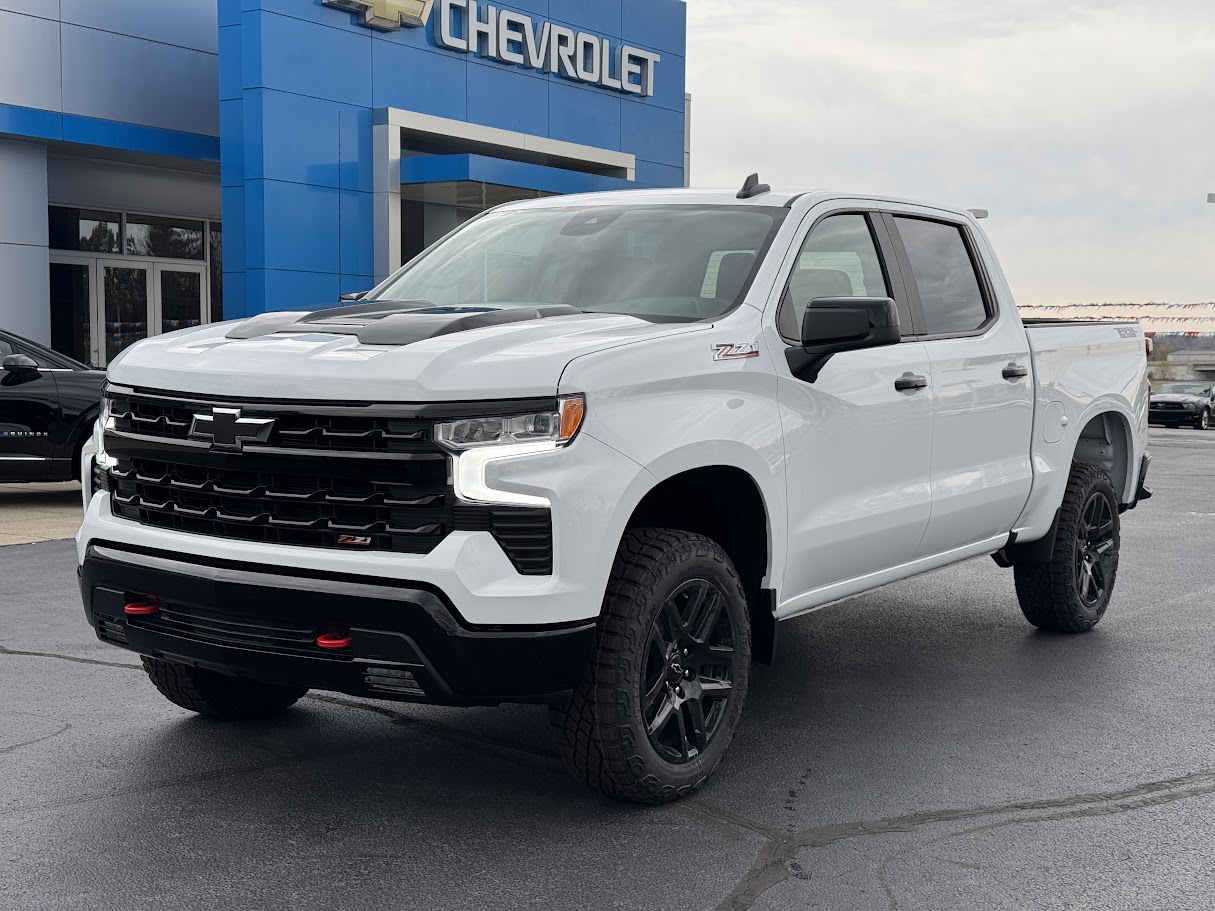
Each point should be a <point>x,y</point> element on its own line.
<point>672,262</point>
<point>1183,389</point>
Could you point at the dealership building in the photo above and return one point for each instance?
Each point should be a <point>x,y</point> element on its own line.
<point>165,164</point>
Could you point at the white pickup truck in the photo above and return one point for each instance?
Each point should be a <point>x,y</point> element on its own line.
<point>589,451</point>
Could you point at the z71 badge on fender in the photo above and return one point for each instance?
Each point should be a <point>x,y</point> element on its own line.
<point>735,352</point>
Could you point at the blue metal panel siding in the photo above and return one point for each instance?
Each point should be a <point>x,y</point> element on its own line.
<point>519,104</point>
<point>300,83</point>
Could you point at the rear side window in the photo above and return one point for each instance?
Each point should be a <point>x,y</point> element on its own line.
<point>950,292</point>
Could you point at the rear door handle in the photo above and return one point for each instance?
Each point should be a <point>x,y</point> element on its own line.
<point>1015,372</point>
<point>909,382</point>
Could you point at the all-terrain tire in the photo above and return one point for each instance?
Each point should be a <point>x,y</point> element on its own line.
<point>1057,595</point>
<point>219,695</point>
<point>601,730</point>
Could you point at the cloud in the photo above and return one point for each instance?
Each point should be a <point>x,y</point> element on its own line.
<point>1087,128</point>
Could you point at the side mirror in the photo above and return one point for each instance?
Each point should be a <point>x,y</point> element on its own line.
<point>18,362</point>
<point>351,298</point>
<point>832,325</point>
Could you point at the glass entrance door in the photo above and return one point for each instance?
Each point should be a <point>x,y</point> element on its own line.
<point>181,297</point>
<point>101,306</point>
<point>126,305</point>
<point>73,286</point>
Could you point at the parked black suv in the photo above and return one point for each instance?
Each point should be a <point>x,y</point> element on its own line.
<point>48,403</point>
<point>1174,404</point>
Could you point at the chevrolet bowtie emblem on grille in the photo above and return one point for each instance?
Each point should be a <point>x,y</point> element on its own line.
<point>226,429</point>
<point>387,15</point>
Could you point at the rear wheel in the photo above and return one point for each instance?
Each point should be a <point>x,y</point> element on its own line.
<point>1070,592</point>
<point>219,695</point>
<point>668,677</point>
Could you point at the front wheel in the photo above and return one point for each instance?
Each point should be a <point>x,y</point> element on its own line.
<point>1070,592</point>
<point>1204,420</point>
<point>219,695</point>
<point>668,677</point>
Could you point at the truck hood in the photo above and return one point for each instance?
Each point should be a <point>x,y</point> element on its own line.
<point>1175,399</point>
<point>440,354</point>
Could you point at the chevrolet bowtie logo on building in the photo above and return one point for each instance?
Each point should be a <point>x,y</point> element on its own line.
<point>225,429</point>
<point>387,15</point>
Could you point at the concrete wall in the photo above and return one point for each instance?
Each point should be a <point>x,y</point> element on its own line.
<point>24,266</point>
<point>147,63</point>
<point>118,186</point>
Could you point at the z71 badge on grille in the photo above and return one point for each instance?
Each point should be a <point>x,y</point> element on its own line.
<point>735,352</point>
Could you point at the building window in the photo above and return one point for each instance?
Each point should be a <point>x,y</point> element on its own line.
<point>85,229</point>
<point>169,238</point>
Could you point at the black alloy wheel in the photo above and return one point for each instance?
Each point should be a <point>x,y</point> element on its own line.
<point>667,681</point>
<point>1095,550</point>
<point>688,679</point>
<point>1069,591</point>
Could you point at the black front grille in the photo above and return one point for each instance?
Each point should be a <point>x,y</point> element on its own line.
<point>411,513</point>
<point>310,428</point>
<point>1167,406</point>
<point>330,476</point>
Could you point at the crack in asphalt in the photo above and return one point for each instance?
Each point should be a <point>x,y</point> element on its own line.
<point>24,654</point>
<point>28,743</point>
<point>771,866</point>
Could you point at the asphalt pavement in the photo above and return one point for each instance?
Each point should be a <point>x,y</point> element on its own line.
<point>921,747</point>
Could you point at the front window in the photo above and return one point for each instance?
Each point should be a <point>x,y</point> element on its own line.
<point>1183,389</point>
<point>660,262</point>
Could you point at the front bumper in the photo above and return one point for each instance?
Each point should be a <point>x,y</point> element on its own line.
<point>1172,416</point>
<point>406,641</point>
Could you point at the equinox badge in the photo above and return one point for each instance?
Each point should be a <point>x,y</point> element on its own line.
<point>226,429</point>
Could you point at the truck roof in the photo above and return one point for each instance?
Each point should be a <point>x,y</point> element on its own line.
<point>778,196</point>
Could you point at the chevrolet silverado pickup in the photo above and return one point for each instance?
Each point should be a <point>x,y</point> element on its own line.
<point>588,452</point>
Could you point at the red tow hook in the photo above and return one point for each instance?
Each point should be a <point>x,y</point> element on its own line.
<point>333,641</point>
<point>141,609</point>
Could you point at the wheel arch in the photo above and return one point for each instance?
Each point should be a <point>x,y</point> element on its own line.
<point>724,503</point>
<point>81,431</point>
<point>1106,442</point>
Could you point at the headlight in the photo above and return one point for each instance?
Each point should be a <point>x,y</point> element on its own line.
<point>107,410</point>
<point>479,442</point>
<point>557,427</point>
<point>1190,406</point>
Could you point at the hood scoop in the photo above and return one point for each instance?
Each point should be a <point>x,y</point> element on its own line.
<point>394,323</point>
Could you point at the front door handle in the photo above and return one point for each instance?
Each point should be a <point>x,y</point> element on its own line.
<point>1015,372</point>
<point>909,382</point>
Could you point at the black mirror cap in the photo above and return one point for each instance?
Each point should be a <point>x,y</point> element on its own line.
<point>832,325</point>
<point>16,362</point>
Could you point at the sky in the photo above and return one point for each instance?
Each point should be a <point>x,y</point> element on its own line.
<point>1086,127</point>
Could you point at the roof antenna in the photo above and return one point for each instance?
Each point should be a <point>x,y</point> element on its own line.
<point>752,187</point>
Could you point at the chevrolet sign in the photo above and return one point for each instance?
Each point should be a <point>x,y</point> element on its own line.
<point>516,39</point>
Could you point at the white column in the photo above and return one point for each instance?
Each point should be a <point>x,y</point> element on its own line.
<point>25,302</point>
<point>387,142</point>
